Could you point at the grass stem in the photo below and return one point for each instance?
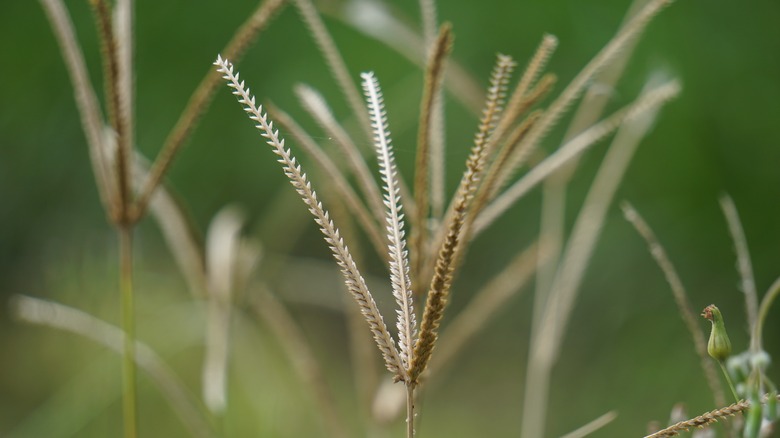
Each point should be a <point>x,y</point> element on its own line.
<point>728,380</point>
<point>129,398</point>
<point>410,410</point>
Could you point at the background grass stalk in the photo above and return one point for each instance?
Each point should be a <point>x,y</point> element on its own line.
<point>681,299</point>
<point>70,320</point>
<point>129,395</point>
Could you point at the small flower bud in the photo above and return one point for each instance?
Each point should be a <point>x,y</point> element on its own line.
<point>719,346</point>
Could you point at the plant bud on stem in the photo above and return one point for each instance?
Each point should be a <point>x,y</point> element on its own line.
<point>719,346</point>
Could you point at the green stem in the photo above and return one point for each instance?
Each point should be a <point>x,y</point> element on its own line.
<point>129,398</point>
<point>728,379</point>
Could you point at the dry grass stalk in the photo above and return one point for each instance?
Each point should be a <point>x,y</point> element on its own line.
<point>680,297</point>
<point>493,110</point>
<point>355,282</point>
<point>552,229</point>
<point>335,61</point>
<point>438,295</point>
<point>474,318</point>
<point>201,98</point>
<point>600,92</point>
<point>115,177</point>
<point>334,177</point>
<point>480,156</point>
<point>428,15</point>
<point>433,77</point>
<point>488,188</point>
<point>122,23</point>
<point>571,150</point>
<point>86,99</point>
<point>304,362</point>
<point>473,179</point>
<point>437,131</point>
<point>378,21</point>
<point>117,109</point>
<point>744,266</point>
<point>593,426</point>
<point>117,89</point>
<point>451,250</point>
<point>314,103</point>
<point>558,107</point>
<point>705,419</point>
<point>550,324</point>
<point>518,102</point>
<point>508,283</point>
<point>224,261</point>
<point>180,234</point>
<point>515,152</point>
<point>593,213</point>
<point>542,88</point>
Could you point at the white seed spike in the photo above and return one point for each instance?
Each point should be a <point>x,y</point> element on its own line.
<point>399,263</point>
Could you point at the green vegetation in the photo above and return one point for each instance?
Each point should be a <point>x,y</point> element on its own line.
<point>246,330</point>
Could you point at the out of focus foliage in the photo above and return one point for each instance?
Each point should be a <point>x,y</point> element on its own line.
<point>626,349</point>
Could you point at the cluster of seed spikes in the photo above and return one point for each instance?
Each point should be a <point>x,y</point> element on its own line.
<point>507,135</point>
<point>509,132</point>
<point>409,359</point>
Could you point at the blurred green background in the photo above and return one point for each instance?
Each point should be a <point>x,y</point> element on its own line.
<point>626,348</point>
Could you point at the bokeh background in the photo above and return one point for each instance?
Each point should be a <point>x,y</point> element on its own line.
<point>626,348</point>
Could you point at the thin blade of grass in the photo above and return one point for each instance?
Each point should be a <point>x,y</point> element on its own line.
<point>86,99</point>
<point>607,54</point>
<point>334,60</point>
<point>334,177</point>
<point>186,406</point>
<point>375,20</point>
<point>122,23</point>
<point>316,106</point>
<point>222,257</point>
<point>680,297</point>
<point>554,191</point>
<point>519,102</point>
<point>422,168</point>
<point>201,99</point>
<point>298,351</point>
<point>117,111</point>
<point>744,265</point>
<point>179,231</point>
<point>571,150</point>
<point>508,283</point>
<point>593,426</point>
<point>549,326</point>
<point>437,125</point>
